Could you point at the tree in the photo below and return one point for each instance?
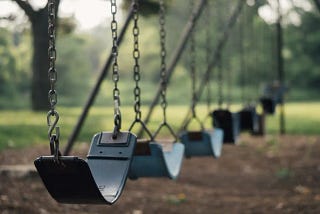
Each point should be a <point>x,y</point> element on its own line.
<point>317,3</point>
<point>7,65</point>
<point>39,25</point>
<point>303,43</point>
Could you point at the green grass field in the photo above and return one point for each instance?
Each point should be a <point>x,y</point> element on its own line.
<point>25,128</point>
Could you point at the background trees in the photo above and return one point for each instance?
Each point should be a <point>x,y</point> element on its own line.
<point>23,54</point>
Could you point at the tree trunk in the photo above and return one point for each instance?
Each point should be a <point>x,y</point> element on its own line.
<point>40,65</point>
<point>40,82</point>
<point>317,3</point>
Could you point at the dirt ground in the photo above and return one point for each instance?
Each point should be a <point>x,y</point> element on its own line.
<point>261,175</point>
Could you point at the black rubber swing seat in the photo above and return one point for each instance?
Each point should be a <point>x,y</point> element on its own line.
<point>202,143</point>
<point>249,120</point>
<point>229,123</point>
<point>98,180</point>
<point>268,105</point>
<point>152,160</point>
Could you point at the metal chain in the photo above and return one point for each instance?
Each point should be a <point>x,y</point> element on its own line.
<point>53,132</point>
<point>193,66</point>
<point>136,56</point>
<point>163,73</point>
<point>229,83</point>
<point>219,21</point>
<point>136,70</point>
<point>115,69</point>
<point>243,67</point>
<point>52,73</point>
<point>220,81</point>
<point>163,53</point>
<point>208,41</point>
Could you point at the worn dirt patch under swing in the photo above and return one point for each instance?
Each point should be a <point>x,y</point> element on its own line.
<point>260,175</point>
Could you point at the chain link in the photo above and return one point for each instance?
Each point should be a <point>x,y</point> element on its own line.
<point>163,54</point>
<point>136,56</point>
<point>52,73</point>
<point>115,68</point>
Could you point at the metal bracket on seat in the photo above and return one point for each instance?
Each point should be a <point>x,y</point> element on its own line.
<point>195,136</point>
<point>103,146</point>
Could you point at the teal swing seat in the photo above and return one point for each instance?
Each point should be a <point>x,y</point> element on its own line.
<point>202,143</point>
<point>152,160</point>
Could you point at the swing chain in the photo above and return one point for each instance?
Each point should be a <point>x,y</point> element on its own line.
<point>52,74</point>
<point>115,69</point>
<point>193,67</point>
<point>243,68</point>
<point>136,69</point>
<point>208,41</point>
<point>163,72</point>
<point>136,56</point>
<point>220,81</point>
<point>163,53</point>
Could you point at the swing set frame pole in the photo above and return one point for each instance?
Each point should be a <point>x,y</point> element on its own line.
<point>96,89</point>
<point>280,66</point>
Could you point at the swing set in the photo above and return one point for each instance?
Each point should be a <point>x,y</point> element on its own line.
<point>150,159</point>
<point>249,118</point>
<point>70,179</point>
<point>116,155</point>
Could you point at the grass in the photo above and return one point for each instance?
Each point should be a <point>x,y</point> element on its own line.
<point>22,128</point>
<point>301,118</point>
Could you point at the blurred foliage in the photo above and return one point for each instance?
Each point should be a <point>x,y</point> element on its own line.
<point>7,65</point>
<point>75,67</point>
<point>14,67</point>
<point>81,55</point>
<point>67,25</point>
<point>303,51</point>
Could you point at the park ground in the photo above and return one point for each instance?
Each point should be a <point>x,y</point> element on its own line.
<point>270,174</point>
